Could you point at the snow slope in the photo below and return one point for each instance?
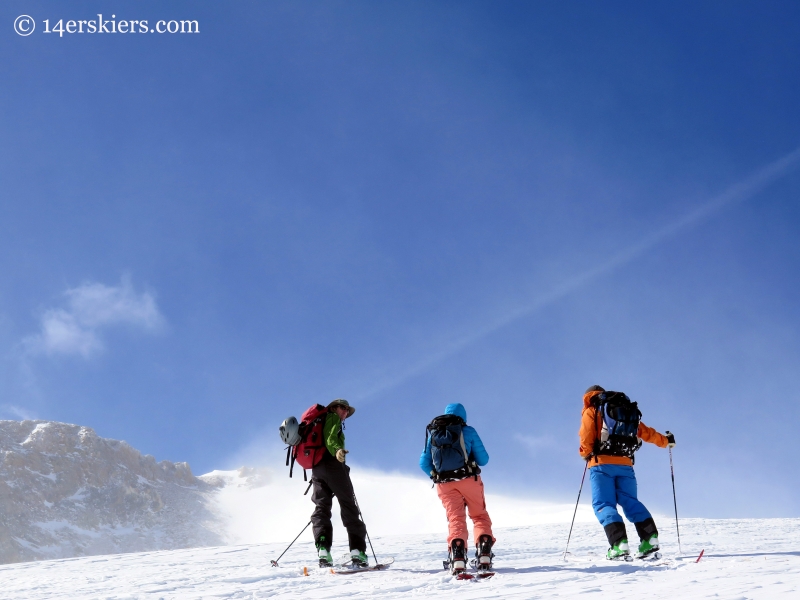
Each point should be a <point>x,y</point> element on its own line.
<point>743,559</point>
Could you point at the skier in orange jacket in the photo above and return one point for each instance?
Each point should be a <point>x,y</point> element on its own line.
<point>611,470</point>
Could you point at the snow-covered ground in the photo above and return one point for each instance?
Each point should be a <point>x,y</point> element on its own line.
<point>743,559</point>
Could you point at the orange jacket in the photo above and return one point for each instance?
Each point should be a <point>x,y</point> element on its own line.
<point>590,430</point>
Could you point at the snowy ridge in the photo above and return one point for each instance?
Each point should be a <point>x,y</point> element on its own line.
<point>743,558</point>
<point>65,491</point>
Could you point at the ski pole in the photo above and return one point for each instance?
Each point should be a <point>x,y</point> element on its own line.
<point>275,562</point>
<point>585,468</point>
<point>675,501</point>
<point>365,528</point>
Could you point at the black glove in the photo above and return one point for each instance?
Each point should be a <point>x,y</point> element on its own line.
<point>670,439</point>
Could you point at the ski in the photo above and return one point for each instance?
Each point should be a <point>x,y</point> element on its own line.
<point>464,576</point>
<point>344,570</point>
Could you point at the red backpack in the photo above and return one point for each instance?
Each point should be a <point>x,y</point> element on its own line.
<point>311,448</point>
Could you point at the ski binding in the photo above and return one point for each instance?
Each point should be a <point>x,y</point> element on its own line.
<point>621,557</point>
<point>464,575</point>
<point>347,569</point>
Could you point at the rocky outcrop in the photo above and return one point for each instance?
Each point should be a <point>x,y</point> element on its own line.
<point>65,491</point>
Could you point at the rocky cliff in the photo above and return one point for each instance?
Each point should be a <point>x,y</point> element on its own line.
<point>65,491</point>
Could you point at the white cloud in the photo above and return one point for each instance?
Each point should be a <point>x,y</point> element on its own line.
<point>90,308</point>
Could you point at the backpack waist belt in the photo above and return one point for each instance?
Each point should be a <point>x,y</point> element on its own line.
<point>457,474</point>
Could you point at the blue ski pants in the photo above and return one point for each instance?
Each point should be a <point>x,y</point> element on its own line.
<point>612,485</point>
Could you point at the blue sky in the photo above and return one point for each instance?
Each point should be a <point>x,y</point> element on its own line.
<point>407,204</point>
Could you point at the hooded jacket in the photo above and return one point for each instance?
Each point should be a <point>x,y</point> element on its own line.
<point>472,442</point>
<point>590,431</point>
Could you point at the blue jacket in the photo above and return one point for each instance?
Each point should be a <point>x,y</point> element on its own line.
<point>472,442</point>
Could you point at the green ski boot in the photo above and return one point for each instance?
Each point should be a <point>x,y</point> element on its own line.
<point>648,547</point>
<point>619,551</point>
<point>359,559</point>
<point>325,558</point>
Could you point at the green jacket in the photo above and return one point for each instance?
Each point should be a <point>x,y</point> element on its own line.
<point>332,433</point>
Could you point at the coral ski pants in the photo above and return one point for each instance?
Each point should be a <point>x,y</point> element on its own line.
<point>458,497</point>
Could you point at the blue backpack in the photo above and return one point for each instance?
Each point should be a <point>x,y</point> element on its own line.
<point>448,451</point>
<point>619,429</point>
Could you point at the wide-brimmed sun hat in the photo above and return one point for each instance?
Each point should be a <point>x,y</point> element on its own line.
<point>345,403</point>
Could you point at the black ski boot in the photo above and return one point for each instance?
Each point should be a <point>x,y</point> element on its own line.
<point>458,557</point>
<point>484,554</point>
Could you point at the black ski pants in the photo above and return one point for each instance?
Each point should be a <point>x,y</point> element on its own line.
<point>332,478</point>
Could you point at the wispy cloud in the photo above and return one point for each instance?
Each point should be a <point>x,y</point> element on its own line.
<point>76,328</point>
<point>16,412</point>
<point>535,443</point>
<point>737,193</point>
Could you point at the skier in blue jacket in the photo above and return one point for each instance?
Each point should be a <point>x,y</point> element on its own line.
<point>452,457</point>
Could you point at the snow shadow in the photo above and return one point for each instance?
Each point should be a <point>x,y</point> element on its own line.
<point>745,555</point>
<point>621,568</point>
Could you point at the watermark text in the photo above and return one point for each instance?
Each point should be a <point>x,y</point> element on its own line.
<point>25,25</point>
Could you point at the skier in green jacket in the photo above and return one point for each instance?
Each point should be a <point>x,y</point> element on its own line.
<point>331,477</point>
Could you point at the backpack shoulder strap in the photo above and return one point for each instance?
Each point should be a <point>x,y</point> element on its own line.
<point>463,446</point>
<point>467,462</point>
<point>596,402</point>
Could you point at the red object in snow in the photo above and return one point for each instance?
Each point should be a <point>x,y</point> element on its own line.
<point>701,555</point>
